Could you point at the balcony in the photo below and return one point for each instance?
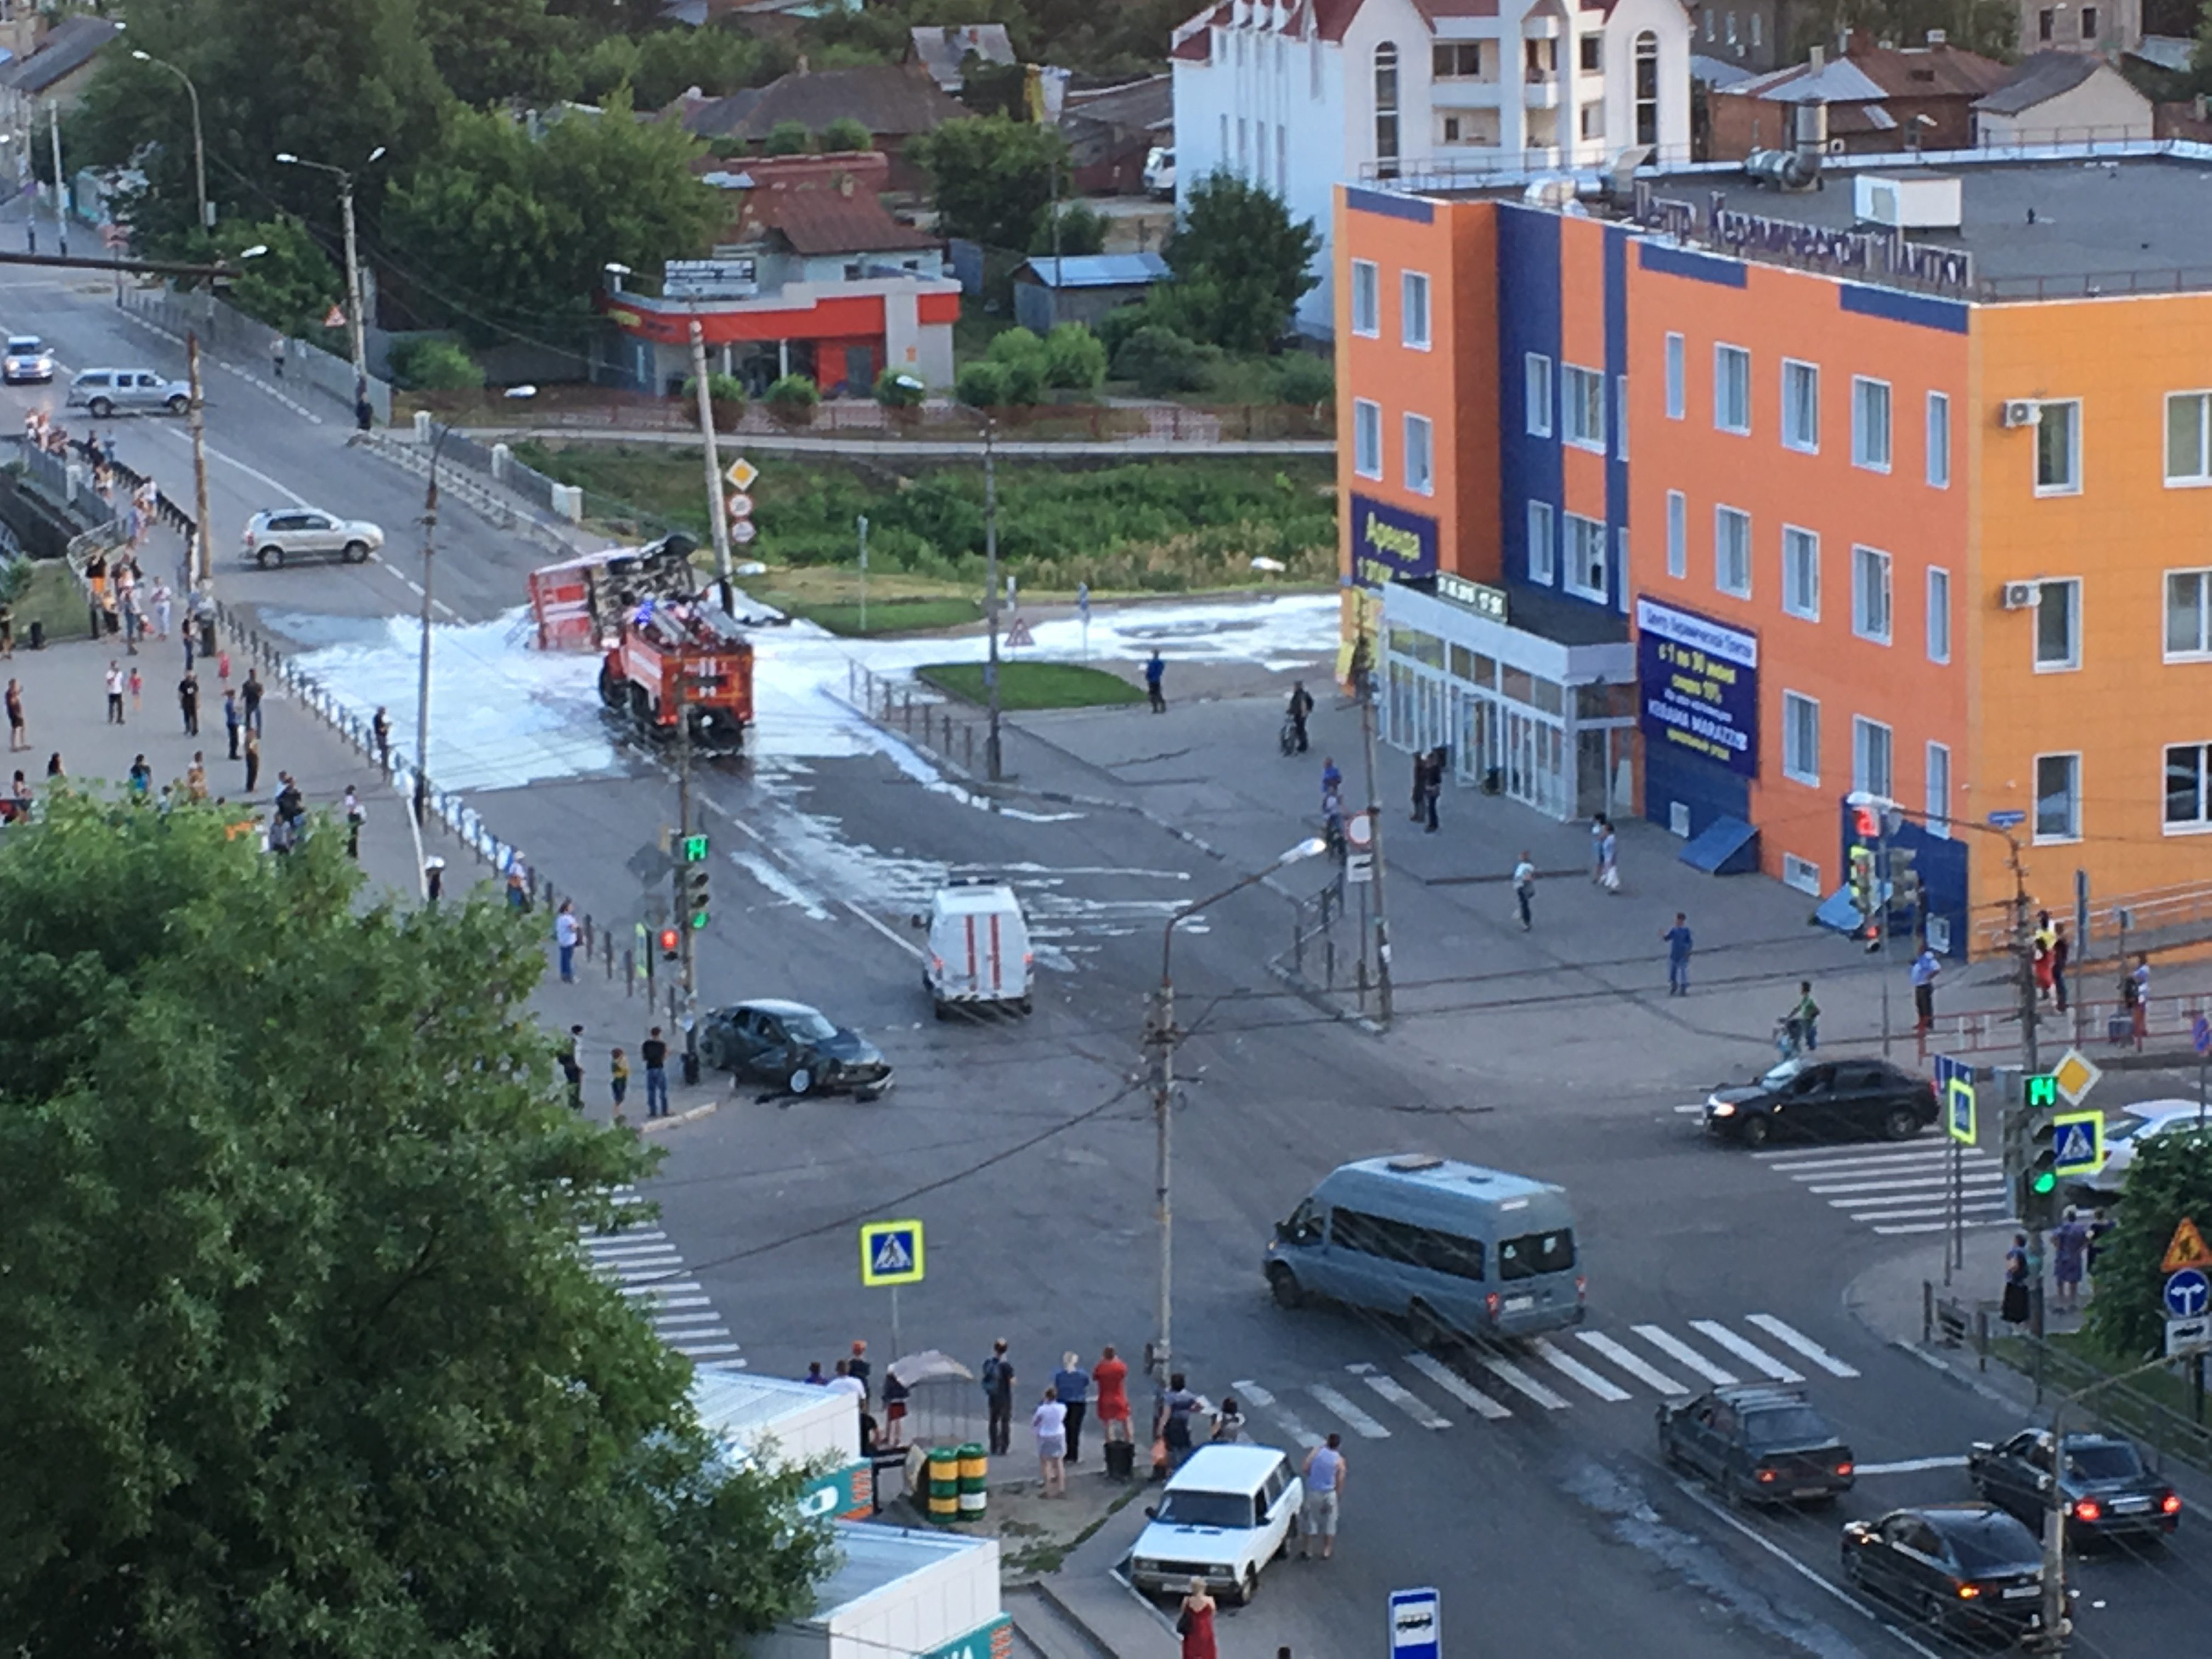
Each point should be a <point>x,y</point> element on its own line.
<point>1541,91</point>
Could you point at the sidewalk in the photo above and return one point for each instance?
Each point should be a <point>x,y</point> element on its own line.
<point>944,449</point>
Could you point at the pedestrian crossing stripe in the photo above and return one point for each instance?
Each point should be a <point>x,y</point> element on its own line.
<point>1901,1190</point>
<point>891,1252</point>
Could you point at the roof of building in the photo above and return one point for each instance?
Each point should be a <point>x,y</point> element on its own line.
<point>1098,269</point>
<point>68,46</point>
<point>1869,72</point>
<point>2041,76</point>
<point>1138,106</point>
<point>1328,19</point>
<point>941,48</point>
<point>1717,72</point>
<point>888,99</point>
<point>2171,51</point>
<point>821,205</point>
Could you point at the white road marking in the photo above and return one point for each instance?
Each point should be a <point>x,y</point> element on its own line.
<point>1599,1342</point>
<point>705,1348</point>
<point>1919,1212</point>
<point>1456,1386</point>
<point>1931,1183</point>
<point>1805,1345</point>
<point>905,945</point>
<point>624,1239</point>
<point>1568,1366</point>
<point>1910,1466</point>
<point>1514,1377</point>
<point>1401,1396</point>
<point>684,1319</point>
<point>635,1253</point>
<point>253,472</point>
<point>1934,1153</point>
<point>684,1302</point>
<point>1362,1425</point>
<point>1674,1348</point>
<point>1938,1226</point>
<point>1254,1395</point>
<point>655,1271</point>
<point>1757,1358</point>
<point>655,1289</point>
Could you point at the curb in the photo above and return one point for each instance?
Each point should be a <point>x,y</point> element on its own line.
<point>653,1126</point>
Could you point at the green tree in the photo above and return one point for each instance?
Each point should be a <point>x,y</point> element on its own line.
<point>1240,263</point>
<point>992,176</point>
<point>897,388</point>
<point>2169,1177</point>
<point>428,363</point>
<point>672,61</point>
<point>1019,355</point>
<point>1082,230</point>
<point>292,287</point>
<point>1301,378</point>
<point>1161,360</point>
<point>302,1355</point>
<point>990,88</point>
<point>846,133</point>
<point>787,138</point>
<point>488,49</point>
<point>1074,359</point>
<point>981,384</point>
<point>511,232</point>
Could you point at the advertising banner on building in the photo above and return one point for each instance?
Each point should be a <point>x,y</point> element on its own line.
<point>1389,543</point>
<point>1698,685</point>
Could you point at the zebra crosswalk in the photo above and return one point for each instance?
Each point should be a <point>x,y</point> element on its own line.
<point>1547,1374</point>
<point>641,1263</point>
<point>1896,1190</point>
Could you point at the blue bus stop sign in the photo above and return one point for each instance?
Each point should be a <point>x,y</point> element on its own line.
<point>1417,1629</point>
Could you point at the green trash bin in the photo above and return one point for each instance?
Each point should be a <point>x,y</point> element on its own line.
<point>975,1470</point>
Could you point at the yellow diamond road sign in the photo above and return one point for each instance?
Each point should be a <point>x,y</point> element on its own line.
<point>741,473</point>
<point>891,1252</point>
<point>2076,1075</point>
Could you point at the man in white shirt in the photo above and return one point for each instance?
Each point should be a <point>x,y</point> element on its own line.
<point>846,1382</point>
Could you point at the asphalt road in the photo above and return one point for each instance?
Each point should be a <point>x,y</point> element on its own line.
<point>1532,1499</point>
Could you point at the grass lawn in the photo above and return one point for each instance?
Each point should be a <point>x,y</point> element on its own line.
<point>1033,684</point>
<point>916,615</point>
<point>52,597</point>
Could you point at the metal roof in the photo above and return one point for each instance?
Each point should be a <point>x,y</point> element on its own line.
<point>1098,269</point>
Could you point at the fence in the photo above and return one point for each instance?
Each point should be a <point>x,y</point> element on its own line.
<point>2155,919</point>
<point>229,332</point>
<point>902,706</point>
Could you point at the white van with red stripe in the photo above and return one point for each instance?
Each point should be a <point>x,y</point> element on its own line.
<point>979,948</point>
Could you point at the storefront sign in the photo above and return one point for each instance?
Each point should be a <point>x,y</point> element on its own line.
<point>1389,543</point>
<point>1483,601</point>
<point>1879,253</point>
<point>1697,680</point>
<point>710,279</point>
<point>993,1640</point>
<point>848,1493</point>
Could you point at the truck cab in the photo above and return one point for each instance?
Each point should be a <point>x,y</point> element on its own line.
<point>978,954</point>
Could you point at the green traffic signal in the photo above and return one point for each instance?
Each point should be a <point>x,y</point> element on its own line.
<point>698,919</point>
<point>2042,1091</point>
<point>2045,1182</point>
<point>693,849</point>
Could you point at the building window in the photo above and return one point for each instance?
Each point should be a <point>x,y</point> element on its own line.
<point>1243,148</point>
<point>1754,29</point>
<point>1870,424</point>
<point>1586,572</point>
<point>1731,28</point>
<point>1732,551</point>
<point>2188,787</point>
<point>1732,388</point>
<point>1939,790</point>
<point>1386,111</point>
<point>1456,60</point>
<point>2058,449</point>
<point>2189,438</point>
<point>1592,58</point>
<point>1939,614</point>
<point>1870,594</point>
<point>1582,406</point>
<point>1800,572</point>
<point>1593,118</point>
<point>1620,418</point>
<point>1366,438</point>
<point>1800,407</point>
<point>1536,393</point>
<point>1543,553</point>
<point>1803,874</point>
<point>1620,555</point>
<point>1366,298</point>
<point>1712,22</point>
<point>2188,613</point>
<point>1420,455</point>
<point>1939,441</point>
<point>1647,89</point>
<point>2046,26</point>
<point>2058,798</point>
<point>1224,151</point>
<point>1678,534</point>
<point>1675,400</point>
<point>1414,310</point>
<point>1801,739</point>
<point>1283,159</point>
<point>1260,154</point>
<point>2088,25</point>
<point>2058,625</point>
<point>1870,748</point>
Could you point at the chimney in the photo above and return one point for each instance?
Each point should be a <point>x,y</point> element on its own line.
<point>1818,60</point>
<point>845,183</point>
<point>1937,36</point>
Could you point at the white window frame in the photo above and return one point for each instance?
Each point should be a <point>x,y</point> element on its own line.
<point>1731,368</point>
<point>1367,299</point>
<point>1543,544</point>
<point>2073,831</point>
<point>1939,441</point>
<point>1869,395</point>
<point>1804,438</point>
<point>1937,792</point>
<point>2197,472</point>
<point>1366,438</point>
<point>1939,614</point>
<point>2071,484</point>
<point>1862,747</point>
<point>1726,515</point>
<point>1677,392</point>
<point>1874,604</point>
<point>2203,649</point>
<point>1678,534</point>
<point>2072,660</point>
<point>1579,538</point>
<point>1419,440</point>
<point>1793,766</point>
<point>1620,419</point>
<point>1801,599</point>
<point>2202,823</point>
<point>1415,322</point>
<point>1536,393</point>
<point>1803,874</point>
<point>1581,397</point>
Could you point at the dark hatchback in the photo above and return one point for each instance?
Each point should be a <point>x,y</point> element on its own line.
<point>1758,1444</point>
<point>1963,1567</point>
<point>793,1047</point>
<point>1851,1099</point>
<point>2103,1485</point>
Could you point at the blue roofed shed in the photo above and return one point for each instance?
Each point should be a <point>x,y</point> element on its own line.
<point>1081,288</point>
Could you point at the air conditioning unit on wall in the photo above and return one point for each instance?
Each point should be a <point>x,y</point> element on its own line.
<point>2022,596</point>
<point>2021,411</point>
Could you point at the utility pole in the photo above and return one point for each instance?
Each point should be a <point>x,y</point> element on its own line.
<point>1363,669</point>
<point>61,188</point>
<point>423,659</point>
<point>992,754</point>
<point>716,516</point>
<point>687,965</point>
<point>355,323</point>
<point>1162,1038</point>
<point>202,549</point>
<point>861,524</point>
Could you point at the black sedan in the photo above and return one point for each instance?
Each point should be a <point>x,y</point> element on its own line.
<point>1824,1100</point>
<point>2103,1486</point>
<point>1967,1567</point>
<point>1758,1444</point>
<point>792,1047</point>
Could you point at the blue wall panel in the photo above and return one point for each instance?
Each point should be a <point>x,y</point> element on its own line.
<point>1529,468</point>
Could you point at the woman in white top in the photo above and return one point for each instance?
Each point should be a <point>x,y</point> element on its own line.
<point>1050,1422</point>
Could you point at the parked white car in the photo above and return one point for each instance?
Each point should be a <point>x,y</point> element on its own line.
<point>279,535</point>
<point>1159,173</point>
<point>2125,1131</point>
<point>1226,1513</point>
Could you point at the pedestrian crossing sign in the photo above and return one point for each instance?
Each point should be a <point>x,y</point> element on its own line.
<point>2077,1143</point>
<point>1959,1110</point>
<point>891,1252</point>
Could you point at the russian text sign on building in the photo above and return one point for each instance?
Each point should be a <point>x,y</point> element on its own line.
<point>1389,543</point>
<point>1698,681</point>
<point>710,279</point>
<point>1875,253</point>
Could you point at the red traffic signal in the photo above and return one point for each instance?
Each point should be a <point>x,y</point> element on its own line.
<point>669,941</point>
<point>1866,823</point>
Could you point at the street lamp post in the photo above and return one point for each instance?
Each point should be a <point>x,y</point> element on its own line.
<point>355,321</point>
<point>993,757</point>
<point>200,144</point>
<point>1160,1037</point>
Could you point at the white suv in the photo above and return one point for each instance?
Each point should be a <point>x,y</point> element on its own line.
<point>302,532</point>
<point>1226,1513</point>
<point>104,391</point>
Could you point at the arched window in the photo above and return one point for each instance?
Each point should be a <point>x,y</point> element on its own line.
<point>1386,111</point>
<point>1647,89</point>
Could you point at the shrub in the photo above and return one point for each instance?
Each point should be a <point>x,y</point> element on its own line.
<point>428,364</point>
<point>721,388</point>
<point>792,398</point>
<point>1082,230</point>
<point>1303,378</point>
<point>1161,360</point>
<point>15,576</point>
<point>846,133</point>
<point>1074,360</point>
<point>1020,356</point>
<point>982,385</point>
<point>896,388</point>
<point>789,139</point>
<point>1119,324</point>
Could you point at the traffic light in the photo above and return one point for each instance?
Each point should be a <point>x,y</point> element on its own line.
<point>1863,899</point>
<point>2040,1091</point>
<point>692,889</point>
<point>1904,886</point>
<point>1866,823</point>
<point>693,849</point>
<point>671,944</point>
<point>2035,1176</point>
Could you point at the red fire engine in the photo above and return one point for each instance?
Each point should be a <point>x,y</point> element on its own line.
<point>580,604</point>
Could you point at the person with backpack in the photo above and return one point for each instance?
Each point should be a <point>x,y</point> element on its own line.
<point>996,1377</point>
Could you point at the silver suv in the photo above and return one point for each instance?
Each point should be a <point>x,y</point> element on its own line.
<point>303,532</point>
<point>104,391</point>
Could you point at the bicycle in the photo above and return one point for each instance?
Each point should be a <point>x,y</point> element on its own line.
<point>1289,736</point>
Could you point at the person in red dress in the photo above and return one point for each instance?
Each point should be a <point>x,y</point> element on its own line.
<point>1110,1376</point>
<point>1195,1623</point>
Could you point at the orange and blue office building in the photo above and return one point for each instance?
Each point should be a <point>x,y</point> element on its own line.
<point>1717,502</point>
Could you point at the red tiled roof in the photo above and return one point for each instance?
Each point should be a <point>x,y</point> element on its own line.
<point>824,208</point>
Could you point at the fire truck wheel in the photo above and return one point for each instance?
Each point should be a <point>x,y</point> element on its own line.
<point>612,691</point>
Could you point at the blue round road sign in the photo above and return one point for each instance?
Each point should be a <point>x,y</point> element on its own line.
<point>2200,1033</point>
<point>2188,1292</point>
